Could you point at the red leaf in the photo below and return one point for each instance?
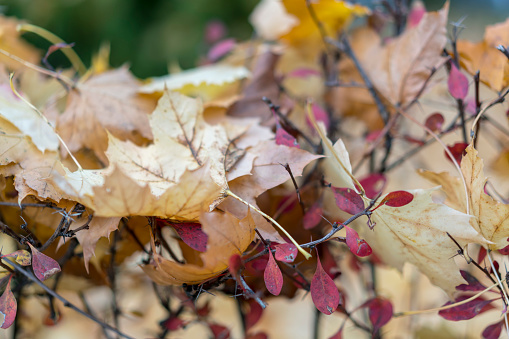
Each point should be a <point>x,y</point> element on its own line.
<point>286,252</point>
<point>192,235</point>
<point>173,323</point>
<point>44,267</point>
<point>473,284</point>
<point>493,331</point>
<point>235,263</point>
<point>219,331</point>
<point>457,150</point>
<point>220,49</point>
<point>465,311</point>
<point>324,291</point>
<point>396,199</point>
<point>259,335</point>
<point>338,334</point>
<point>304,73</point>
<point>272,276</point>
<point>348,200</point>
<point>457,83</point>
<point>416,13</point>
<point>320,115</point>
<point>8,306</point>
<point>380,312</point>
<point>254,314</point>
<point>481,255</point>
<point>284,138</point>
<point>357,245</point>
<point>373,184</point>
<point>214,31</point>
<point>434,122</point>
<point>313,216</point>
<point>504,251</point>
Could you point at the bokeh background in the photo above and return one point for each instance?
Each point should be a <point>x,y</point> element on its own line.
<point>150,35</point>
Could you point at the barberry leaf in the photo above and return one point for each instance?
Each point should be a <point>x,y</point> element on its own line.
<point>457,150</point>
<point>286,252</point>
<point>8,306</point>
<point>397,199</point>
<point>22,257</point>
<point>435,122</point>
<point>465,311</point>
<point>457,83</point>
<point>272,276</point>
<point>357,246</point>
<point>313,216</point>
<point>493,331</point>
<point>473,284</point>
<point>192,234</point>
<point>373,184</point>
<point>44,267</point>
<point>348,200</point>
<point>380,312</point>
<point>324,291</point>
<point>284,138</point>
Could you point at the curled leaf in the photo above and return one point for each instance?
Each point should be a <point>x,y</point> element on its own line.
<point>348,200</point>
<point>8,306</point>
<point>357,245</point>
<point>324,291</point>
<point>44,267</point>
<point>272,276</point>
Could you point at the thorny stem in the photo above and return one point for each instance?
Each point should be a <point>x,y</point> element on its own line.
<point>251,293</point>
<point>274,222</point>
<point>67,303</point>
<point>407,313</point>
<point>75,60</point>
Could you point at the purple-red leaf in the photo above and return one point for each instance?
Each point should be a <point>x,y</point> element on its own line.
<point>348,200</point>
<point>435,122</point>
<point>192,235</point>
<point>380,312</point>
<point>304,73</point>
<point>481,255</point>
<point>473,284</point>
<point>173,323</point>
<point>44,267</point>
<point>396,199</point>
<point>357,245</point>
<point>457,83</point>
<point>465,311</point>
<point>338,334</point>
<point>220,49</point>
<point>286,252</point>
<point>272,276</point>
<point>254,314</point>
<point>235,263</point>
<point>373,184</point>
<point>493,331</point>
<point>285,138</point>
<point>324,291</point>
<point>219,331</point>
<point>457,150</point>
<point>8,306</point>
<point>313,216</point>
<point>504,251</point>
<point>416,14</point>
<point>320,115</point>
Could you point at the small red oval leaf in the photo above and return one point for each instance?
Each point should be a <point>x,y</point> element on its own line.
<point>272,276</point>
<point>397,199</point>
<point>8,306</point>
<point>44,267</point>
<point>324,291</point>
<point>285,138</point>
<point>435,122</point>
<point>320,115</point>
<point>457,150</point>
<point>493,331</point>
<point>380,312</point>
<point>465,311</point>
<point>348,200</point>
<point>357,245</point>
<point>313,216</point>
<point>473,284</point>
<point>286,252</point>
<point>457,83</point>
<point>192,235</point>
<point>373,184</point>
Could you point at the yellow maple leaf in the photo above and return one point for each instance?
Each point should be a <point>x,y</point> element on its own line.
<point>491,218</point>
<point>484,56</point>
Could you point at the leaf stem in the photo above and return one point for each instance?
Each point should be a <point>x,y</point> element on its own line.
<point>75,60</point>
<point>301,250</point>
<point>407,313</point>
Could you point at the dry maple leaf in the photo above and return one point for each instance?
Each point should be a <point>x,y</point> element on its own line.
<point>486,58</point>
<point>105,102</point>
<point>226,236</point>
<point>491,217</point>
<point>402,65</point>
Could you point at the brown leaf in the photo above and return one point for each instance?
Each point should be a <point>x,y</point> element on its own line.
<point>484,56</point>
<point>107,101</point>
<point>401,66</point>
<point>10,41</point>
<point>226,236</point>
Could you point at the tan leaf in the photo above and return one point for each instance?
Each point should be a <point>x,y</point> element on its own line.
<point>107,101</point>
<point>10,41</point>
<point>416,233</point>
<point>484,56</point>
<point>491,217</point>
<point>401,67</point>
<point>226,236</point>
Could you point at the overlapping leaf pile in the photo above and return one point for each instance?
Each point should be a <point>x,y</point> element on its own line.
<point>201,149</point>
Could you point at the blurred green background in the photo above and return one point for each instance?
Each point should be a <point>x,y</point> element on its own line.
<point>150,34</point>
